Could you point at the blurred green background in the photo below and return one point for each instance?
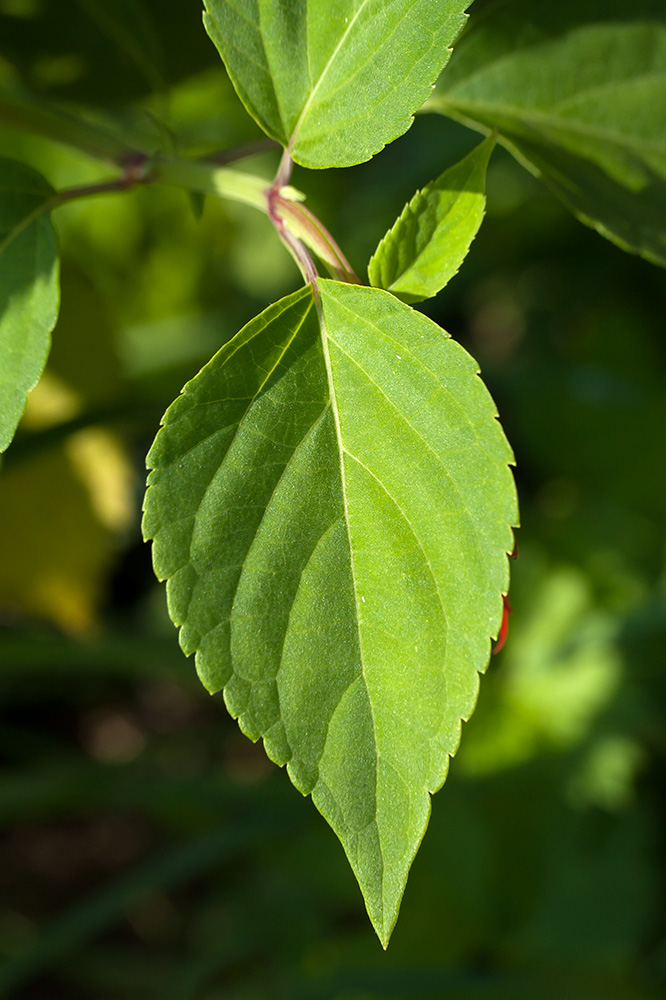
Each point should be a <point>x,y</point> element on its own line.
<point>148,848</point>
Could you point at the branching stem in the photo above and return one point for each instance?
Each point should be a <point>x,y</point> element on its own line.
<point>134,173</point>
<point>295,247</point>
<point>298,228</point>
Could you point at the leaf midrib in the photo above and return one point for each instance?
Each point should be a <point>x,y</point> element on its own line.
<point>343,482</point>
<point>331,60</point>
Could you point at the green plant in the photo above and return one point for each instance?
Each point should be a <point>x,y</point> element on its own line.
<point>330,498</point>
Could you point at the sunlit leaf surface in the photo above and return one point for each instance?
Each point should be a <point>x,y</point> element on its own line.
<point>334,82</point>
<point>331,503</point>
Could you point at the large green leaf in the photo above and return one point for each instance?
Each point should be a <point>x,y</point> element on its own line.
<point>331,504</point>
<point>429,241</point>
<point>334,82</point>
<point>578,91</point>
<point>28,290</point>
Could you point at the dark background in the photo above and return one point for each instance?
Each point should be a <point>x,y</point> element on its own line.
<point>148,849</point>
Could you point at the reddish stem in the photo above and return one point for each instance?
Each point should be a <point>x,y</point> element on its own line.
<point>504,628</point>
<point>295,247</point>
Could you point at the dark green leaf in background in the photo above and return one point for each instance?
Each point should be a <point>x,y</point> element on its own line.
<point>578,92</point>
<point>29,292</point>
<point>429,241</point>
<point>334,82</point>
<point>331,504</point>
<point>129,26</point>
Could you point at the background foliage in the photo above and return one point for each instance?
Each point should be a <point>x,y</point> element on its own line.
<point>148,846</point>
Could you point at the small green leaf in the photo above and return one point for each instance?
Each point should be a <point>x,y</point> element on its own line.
<point>29,293</point>
<point>578,93</point>
<point>432,236</point>
<point>331,504</point>
<point>334,83</point>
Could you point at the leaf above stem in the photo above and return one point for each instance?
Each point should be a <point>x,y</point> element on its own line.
<point>334,83</point>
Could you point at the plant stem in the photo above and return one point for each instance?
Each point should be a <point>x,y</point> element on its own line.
<point>294,245</point>
<point>133,174</point>
<point>208,178</point>
<point>299,229</point>
<point>296,225</point>
<point>305,225</point>
<point>283,175</point>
